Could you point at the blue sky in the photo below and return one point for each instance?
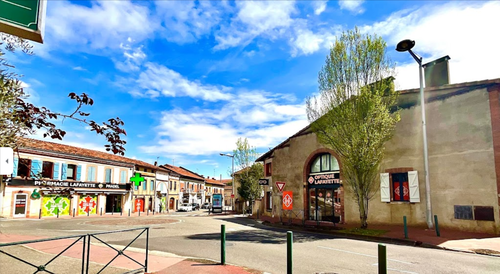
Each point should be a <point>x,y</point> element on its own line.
<point>190,77</point>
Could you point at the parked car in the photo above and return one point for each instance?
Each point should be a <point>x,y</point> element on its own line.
<point>195,206</point>
<point>185,207</point>
<point>206,206</point>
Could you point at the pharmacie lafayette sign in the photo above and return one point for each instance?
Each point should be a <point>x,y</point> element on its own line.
<point>323,179</point>
<point>57,183</point>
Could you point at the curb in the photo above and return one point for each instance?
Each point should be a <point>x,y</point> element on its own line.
<point>388,240</point>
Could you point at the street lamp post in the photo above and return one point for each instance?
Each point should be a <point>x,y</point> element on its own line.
<point>407,45</point>
<point>232,166</point>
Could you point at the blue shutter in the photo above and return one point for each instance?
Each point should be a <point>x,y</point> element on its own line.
<point>14,172</point>
<point>78,173</point>
<point>56,171</point>
<point>145,186</point>
<point>93,174</point>
<point>36,167</point>
<point>64,172</point>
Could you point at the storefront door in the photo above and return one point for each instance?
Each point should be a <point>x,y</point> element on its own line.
<point>113,203</point>
<point>171,203</point>
<point>20,206</point>
<point>322,205</point>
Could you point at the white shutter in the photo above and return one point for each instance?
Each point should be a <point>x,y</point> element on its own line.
<point>385,190</point>
<point>414,189</point>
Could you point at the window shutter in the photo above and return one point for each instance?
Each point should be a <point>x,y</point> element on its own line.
<point>122,178</point>
<point>78,173</point>
<point>36,167</point>
<point>64,171</point>
<point>108,176</point>
<point>152,185</point>
<point>414,189</point>
<point>93,174</point>
<point>56,172</point>
<point>385,190</point>
<point>14,172</point>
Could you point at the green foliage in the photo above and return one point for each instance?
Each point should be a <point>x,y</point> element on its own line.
<point>249,171</point>
<point>352,113</point>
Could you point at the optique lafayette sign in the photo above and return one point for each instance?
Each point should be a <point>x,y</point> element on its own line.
<point>31,182</point>
<point>323,179</point>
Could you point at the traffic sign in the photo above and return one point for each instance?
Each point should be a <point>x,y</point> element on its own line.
<point>23,18</point>
<point>232,195</point>
<point>287,200</point>
<point>281,186</point>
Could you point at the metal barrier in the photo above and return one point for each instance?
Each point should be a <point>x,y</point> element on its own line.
<point>86,238</point>
<point>43,267</point>
<point>120,252</point>
<point>292,214</point>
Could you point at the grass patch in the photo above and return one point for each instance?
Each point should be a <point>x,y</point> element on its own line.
<point>364,232</point>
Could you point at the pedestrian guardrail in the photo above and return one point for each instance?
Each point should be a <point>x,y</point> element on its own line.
<point>85,239</point>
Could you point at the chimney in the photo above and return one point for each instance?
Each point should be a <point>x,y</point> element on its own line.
<point>156,163</point>
<point>437,72</point>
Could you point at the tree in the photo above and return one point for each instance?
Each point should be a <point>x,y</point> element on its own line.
<point>19,118</point>
<point>249,171</point>
<point>354,114</point>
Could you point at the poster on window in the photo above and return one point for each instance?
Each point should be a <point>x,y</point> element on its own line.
<point>87,205</point>
<point>52,205</point>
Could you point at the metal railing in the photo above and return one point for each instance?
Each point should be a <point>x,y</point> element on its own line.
<point>86,241</point>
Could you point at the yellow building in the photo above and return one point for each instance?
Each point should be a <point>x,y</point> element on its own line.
<point>144,194</point>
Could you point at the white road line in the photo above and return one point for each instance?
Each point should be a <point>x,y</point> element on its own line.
<point>361,254</point>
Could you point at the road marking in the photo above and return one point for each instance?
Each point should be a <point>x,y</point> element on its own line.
<point>361,254</point>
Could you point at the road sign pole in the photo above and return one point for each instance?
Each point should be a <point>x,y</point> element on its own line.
<point>289,255</point>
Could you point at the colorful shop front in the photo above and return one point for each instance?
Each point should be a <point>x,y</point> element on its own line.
<point>144,193</point>
<point>51,179</point>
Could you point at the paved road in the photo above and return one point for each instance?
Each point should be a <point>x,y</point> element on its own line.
<point>259,247</point>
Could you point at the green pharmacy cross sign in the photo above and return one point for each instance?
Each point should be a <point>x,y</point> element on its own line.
<point>137,179</point>
<point>23,18</point>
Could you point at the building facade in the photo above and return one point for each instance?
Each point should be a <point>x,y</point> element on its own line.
<point>213,186</point>
<point>463,134</point>
<point>144,195</point>
<point>162,184</point>
<point>52,180</point>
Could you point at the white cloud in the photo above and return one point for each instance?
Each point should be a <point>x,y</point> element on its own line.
<point>352,5</point>
<point>319,7</point>
<point>103,25</point>
<point>134,57</point>
<point>254,18</point>
<point>33,96</point>
<point>79,68</point>
<point>187,21</point>
<point>440,30</point>
<point>264,118</point>
<point>158,80</point>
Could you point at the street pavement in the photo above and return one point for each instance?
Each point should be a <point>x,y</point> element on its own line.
<point>194,238</point>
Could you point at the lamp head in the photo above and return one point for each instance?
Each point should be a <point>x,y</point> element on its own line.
<point>405,45</point>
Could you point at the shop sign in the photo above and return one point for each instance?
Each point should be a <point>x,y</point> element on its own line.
<point>217,201</point>
<point>54,183</point>
<point>323,179</point>
<point>264,182</point>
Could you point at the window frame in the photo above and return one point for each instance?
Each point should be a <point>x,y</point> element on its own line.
<point>51,171</point>
<point>401,187</point>
<point>26,165</point>
<point>269,169</point>
<point>94,177</point>
<point>74,171</point>
<point>320,158</point>
<point>110,175</point>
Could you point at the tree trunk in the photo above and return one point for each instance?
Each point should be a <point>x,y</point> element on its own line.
<point>363,211</point>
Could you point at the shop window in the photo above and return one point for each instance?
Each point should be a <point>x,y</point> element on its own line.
<point>71,172</point>
<point>478,213</point>
<point>399,187</point>
<point>47,170</point>
<point>269,200</point>
<point>91,173</point>
<point>324,163</point>
<point>268,169</point>
<point>24,168</point>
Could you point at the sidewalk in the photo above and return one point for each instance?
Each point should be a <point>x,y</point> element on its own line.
<point>100,255</point>
<point>479,243</point>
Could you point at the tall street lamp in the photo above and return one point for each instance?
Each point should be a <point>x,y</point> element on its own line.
<point>232,164</point>
<point>407,45</point>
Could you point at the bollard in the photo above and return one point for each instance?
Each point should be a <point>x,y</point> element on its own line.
<point>382,259</point>
<point>40,214</point>
<point>289,257</point>
<point>405,227</point>
<point>113,210</point>
<point>139,213</point>
<point>257,214</point>
<point>101,211</point>
<point>57,212</point>
<point>129,212</point>
<point>437,225</point>
<point>88,212</point>
<point>121,211</point>
<point>73,212</point>
<point>223,244</point>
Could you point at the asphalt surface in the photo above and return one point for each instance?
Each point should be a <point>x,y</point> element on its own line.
<point>254,245</point>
